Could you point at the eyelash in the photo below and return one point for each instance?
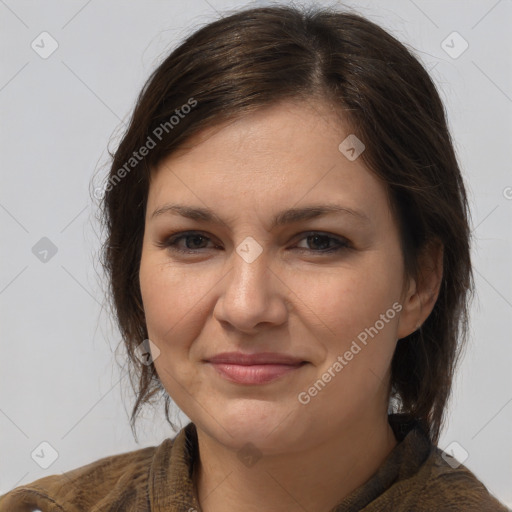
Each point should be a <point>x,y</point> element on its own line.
<point>171,241</point>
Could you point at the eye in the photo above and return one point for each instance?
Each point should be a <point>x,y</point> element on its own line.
<point>195,239</point>
<point>323,240</point>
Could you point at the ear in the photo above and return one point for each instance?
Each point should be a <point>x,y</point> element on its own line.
<point>422,294</point>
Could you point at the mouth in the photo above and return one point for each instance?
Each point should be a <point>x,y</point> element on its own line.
<point>254,369</point>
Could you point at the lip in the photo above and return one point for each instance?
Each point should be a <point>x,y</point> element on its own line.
<point>253,369</point>
<point>241,358</point>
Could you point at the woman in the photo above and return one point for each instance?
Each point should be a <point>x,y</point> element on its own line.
<point>288,253</point>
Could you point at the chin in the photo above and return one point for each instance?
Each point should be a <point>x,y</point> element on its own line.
<point>268,426</point>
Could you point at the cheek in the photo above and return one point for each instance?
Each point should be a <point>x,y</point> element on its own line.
<point>349,300</point>
<point>157,296</point>
<point>172,309</point>
<point>359,313</point>
<point>359,342</point>
<point>176,305</point>
<point>167,297</point>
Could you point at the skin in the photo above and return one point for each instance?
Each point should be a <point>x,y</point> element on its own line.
<point>304,303</point>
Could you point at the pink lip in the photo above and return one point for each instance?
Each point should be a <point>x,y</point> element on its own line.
<point>254,368</point>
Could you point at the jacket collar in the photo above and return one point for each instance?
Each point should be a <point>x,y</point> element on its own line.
<point>172,488</point>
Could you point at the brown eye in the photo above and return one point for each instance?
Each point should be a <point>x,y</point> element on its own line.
<point>194,241</point>
<point>324,243</point>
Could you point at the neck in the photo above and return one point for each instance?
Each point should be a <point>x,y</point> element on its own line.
<point>315,480</point>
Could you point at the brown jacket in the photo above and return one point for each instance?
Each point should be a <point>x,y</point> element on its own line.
<point>414,477</point>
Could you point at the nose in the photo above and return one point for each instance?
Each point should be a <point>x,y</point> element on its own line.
<point>252,294</point>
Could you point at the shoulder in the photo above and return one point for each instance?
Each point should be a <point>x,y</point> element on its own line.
<point>450,486</point>
<point>118,481</point>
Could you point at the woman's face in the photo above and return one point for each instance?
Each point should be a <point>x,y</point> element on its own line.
<point>250,285</point>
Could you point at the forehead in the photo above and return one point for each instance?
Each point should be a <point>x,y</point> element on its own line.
<point>285,155</point>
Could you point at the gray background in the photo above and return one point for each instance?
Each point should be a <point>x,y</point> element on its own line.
<point>61,380</point>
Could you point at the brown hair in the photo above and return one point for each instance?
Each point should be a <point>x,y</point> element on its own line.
<point>258,57</point>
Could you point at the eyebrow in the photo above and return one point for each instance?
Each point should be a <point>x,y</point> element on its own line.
<point>284,217</point>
